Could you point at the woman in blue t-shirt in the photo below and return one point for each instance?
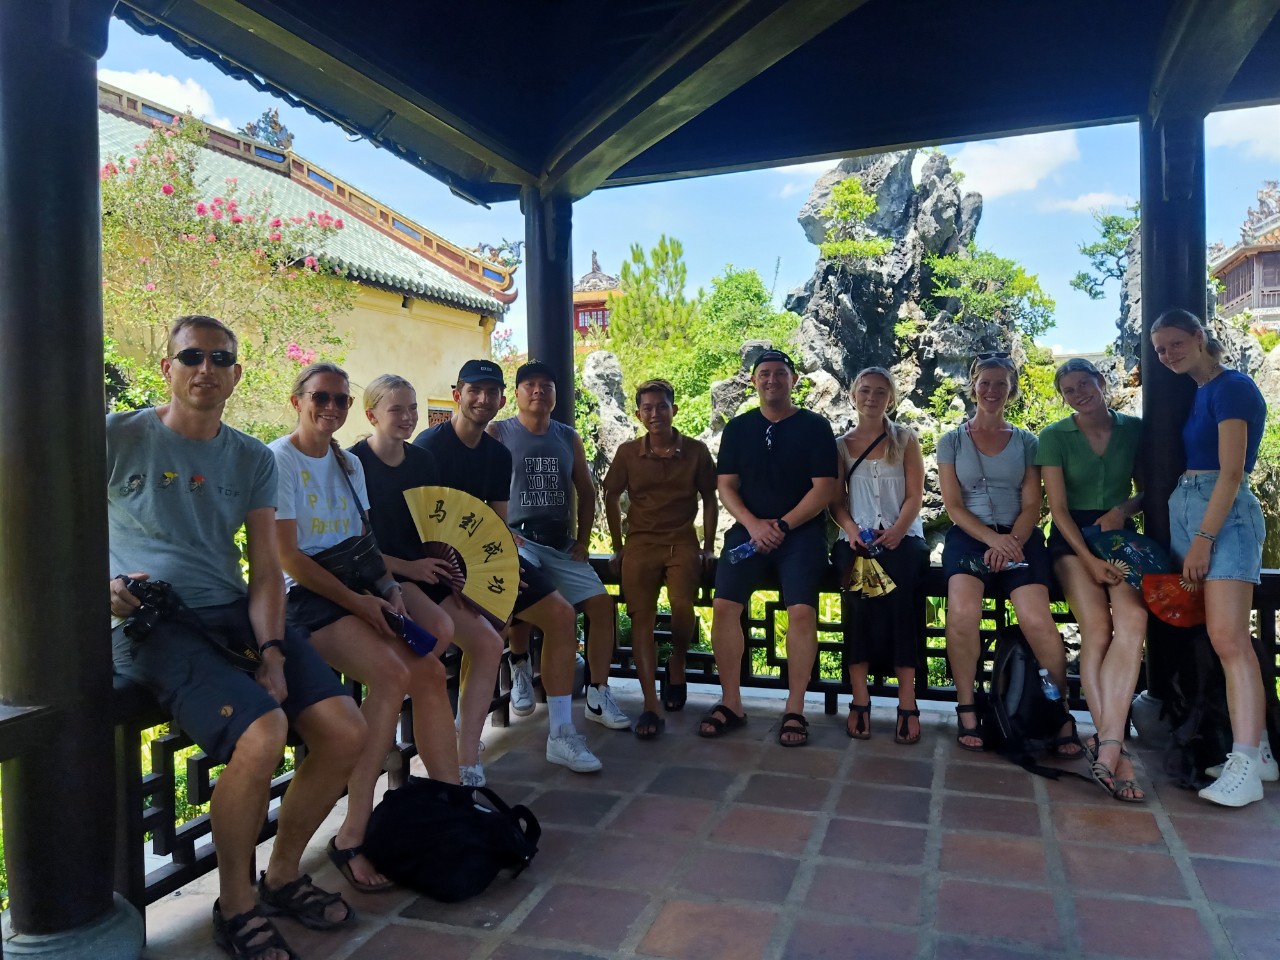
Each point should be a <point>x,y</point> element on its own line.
<point>1216,528</point>
<point>991,491</point>
<point>1087,462</point>
<point>322,494</point>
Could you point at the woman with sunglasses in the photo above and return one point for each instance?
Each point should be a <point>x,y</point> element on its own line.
<point>991,491</point>
<point>391,466</point>
<point>1216,528</point>
<point>1087,462</point>
<point>322,497</point>
<point>878,510</point>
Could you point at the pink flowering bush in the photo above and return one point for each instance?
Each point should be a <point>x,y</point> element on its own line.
<point>174,243</point>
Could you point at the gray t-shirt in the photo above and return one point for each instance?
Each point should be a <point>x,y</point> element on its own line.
<point>174,505</point>
<point>541,473</point>
<point>992,486</point>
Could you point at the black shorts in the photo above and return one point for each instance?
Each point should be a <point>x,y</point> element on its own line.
<point>962,553</point>
<point>800,565</point>
<point>211,700</point>
<point>311,611</point>
<point>537,586</point>
<point>1057,543</point>
<point>437,593</point>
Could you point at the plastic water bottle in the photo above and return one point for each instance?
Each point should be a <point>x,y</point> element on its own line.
<point>742,551</point>
<point>1050,688</point>
<point>421,641</point>
<point>867,537</point>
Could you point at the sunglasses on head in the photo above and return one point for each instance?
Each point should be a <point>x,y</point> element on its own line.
<point>322,398</point>
<point>993,355</point>
<point>194,356</point>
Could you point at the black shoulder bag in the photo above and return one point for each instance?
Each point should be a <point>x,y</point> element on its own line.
<point>356,561</point>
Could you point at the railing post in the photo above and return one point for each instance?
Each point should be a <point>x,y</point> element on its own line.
<point>59,801</point>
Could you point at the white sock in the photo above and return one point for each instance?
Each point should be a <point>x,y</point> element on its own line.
<point>560,712</point>
<point>1245,751</point>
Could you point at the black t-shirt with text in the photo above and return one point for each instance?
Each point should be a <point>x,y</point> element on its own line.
<point>484,472</point>
<point>776,462</point>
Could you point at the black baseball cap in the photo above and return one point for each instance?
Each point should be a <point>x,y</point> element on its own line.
<point>773,356</point>
<point>534,368</point>
<point>473,371</point>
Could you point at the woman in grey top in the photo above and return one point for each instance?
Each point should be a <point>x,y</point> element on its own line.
<point>991,490</point>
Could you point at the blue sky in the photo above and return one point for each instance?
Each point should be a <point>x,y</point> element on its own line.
<point>1038,191</point>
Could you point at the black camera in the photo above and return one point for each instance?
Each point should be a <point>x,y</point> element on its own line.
<point>158,600</point>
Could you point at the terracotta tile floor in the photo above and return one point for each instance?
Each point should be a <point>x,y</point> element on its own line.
<point>696,850</point>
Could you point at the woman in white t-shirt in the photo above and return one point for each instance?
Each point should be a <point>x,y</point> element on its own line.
<point>880,498</point>
<point>321,497</point>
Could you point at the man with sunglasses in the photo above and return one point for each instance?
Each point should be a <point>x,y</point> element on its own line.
<point>181,483</point>
<point>778,469</point>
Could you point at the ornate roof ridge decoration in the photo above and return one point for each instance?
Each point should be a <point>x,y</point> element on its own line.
<point>488,275</point>
<point>1260,230</point>
<point>596,279</point>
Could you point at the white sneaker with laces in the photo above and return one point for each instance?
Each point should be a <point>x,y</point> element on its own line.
<point>471,775</point>
<point>603,709</point>
<point>522,687</point>
<point>567,747</point>
<point>1268,769</point>
<point>1239,785</point>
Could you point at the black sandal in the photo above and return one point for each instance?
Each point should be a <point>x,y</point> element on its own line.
<point>342,860</point>
<point>1071,739</point>
<point>655,723</point>
<point>903,733</point>
<point>721,720</point>
<point>975,731</point>
<point>862,728</point>
<point>303,901</point>
<point>674,695</point>
<point>793,724</point>
<point>230,934</point>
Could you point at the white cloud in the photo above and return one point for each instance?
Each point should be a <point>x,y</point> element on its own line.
<point>168,91</point>
<point>1088,202</point>
<point>1256,131</point>
<point>998,167</point>
<point>791,189</point>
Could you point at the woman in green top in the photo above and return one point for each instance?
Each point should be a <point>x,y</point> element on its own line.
<point>1087,461</point>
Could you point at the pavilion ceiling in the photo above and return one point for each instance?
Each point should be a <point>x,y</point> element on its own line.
<point>574,95</point>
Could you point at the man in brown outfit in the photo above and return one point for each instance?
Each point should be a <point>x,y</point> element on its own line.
<point>664,473</point>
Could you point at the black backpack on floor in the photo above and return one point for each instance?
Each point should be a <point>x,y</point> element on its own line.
<point>447,841</point>
<point>1196,710</point>
<point>1019,721</point>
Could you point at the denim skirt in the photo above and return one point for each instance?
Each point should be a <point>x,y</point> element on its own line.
<point>1237,553</point>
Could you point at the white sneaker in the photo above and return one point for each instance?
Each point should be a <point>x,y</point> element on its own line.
<point>522,687</point>
<point>1268,769</point>
<point>472,775</point>
<point>567,747</point>
<point>1239,785</point>
<point>603,709</point>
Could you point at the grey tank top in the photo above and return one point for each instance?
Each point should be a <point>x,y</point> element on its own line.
<point>541,473</point>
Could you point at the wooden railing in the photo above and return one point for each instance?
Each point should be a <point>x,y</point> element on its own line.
<point>149,802</point>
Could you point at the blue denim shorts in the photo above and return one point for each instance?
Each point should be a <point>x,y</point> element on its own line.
<point>1237,553</point>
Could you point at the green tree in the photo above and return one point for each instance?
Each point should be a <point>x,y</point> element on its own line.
<point>652,307</point>
<point>991,287</point>
<point>848,236</point>
<point>170,248</point>
<point>1107,255</point>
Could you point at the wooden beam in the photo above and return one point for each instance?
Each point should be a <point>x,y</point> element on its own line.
<point>332,80</point>
<point>1203,45</point>
<point>703,56</point>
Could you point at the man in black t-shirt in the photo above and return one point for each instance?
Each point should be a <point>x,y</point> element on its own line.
<point>778,470</point>
<point>472,461</point>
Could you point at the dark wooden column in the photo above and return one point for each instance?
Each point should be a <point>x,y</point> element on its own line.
<point>548,230</point>
<point>59,799</point>
<point>1173,275</point>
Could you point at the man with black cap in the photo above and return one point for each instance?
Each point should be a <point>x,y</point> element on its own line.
<point>778,469</point>
<point>550,470</point>
<point>472,461</point>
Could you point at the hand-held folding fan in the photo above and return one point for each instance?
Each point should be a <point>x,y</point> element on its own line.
<point>1132,553</point>
<point>1173,600</point>
<point>463,530</point>
<point>868,577</point>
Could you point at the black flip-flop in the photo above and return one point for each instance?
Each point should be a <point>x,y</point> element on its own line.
<point>674,695</point>
<point>721,720</point>
<point>649,719</point>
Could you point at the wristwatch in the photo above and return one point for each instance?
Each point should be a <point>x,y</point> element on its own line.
<point>784,526</point>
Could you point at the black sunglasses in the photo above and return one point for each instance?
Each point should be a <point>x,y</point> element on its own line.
<point>194,356</point>
<point>994,355</point>
<point>768,438</point>
<point>322,398</point>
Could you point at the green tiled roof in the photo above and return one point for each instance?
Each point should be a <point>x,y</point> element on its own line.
<point>366,253</point>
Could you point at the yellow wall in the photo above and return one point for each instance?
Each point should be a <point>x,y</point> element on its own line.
<point>426,343</point>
